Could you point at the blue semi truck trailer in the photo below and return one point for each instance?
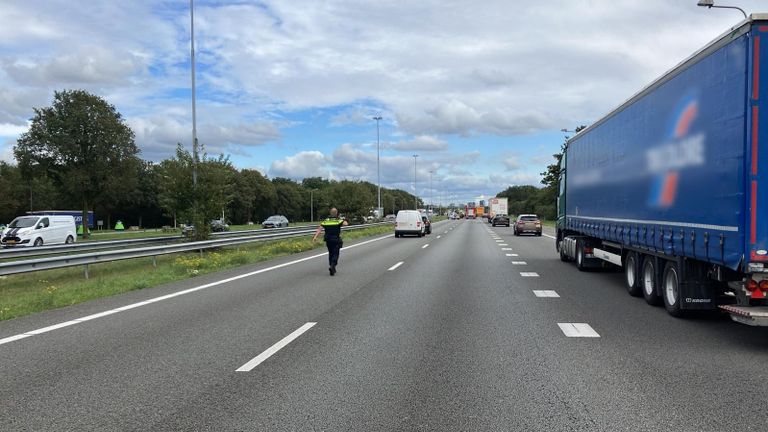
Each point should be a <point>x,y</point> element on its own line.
<point>673,184</point>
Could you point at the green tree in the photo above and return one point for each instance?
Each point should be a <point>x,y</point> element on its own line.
<point>214,191</point>
<point>254,197</point>
<point>85,145</point>
<point>289,200</point>
<point>12,192</point>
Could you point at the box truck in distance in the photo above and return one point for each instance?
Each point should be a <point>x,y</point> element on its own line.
<point>672,185</point>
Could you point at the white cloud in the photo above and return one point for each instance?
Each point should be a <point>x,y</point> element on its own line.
<point>419,143</point>
<point>12,130</point>
<point>301,165</point>
<point>512,163</point>
<point>157,136</point>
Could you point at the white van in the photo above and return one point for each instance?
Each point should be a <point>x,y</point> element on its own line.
<point>39,230</point>
<point>409,222</point>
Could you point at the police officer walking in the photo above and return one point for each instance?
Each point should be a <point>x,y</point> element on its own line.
<point>332,227</point>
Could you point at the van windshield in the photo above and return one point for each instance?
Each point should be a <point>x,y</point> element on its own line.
<point>23,222</point>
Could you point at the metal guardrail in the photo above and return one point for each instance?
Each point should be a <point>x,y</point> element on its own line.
<point>49,263</point>
<point>26,251</point>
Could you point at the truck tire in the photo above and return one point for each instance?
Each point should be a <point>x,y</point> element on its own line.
<point>561,251</point>
<point>632,274</point>
<point>649,282</point>
<point>580,256</point>
<point>670,288</point>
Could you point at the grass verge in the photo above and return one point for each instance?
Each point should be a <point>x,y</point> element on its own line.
<point>35,292</point>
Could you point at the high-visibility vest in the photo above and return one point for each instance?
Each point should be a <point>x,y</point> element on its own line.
<point>332,227</point>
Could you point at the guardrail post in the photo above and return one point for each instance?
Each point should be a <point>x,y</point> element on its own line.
<point>154,261</point>
<point>86,272</point>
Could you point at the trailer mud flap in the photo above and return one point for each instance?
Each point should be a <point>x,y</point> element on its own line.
<point>697,295</point>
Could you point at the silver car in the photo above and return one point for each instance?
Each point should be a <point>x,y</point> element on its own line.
<point>527,223</point>
<point>276,221</point>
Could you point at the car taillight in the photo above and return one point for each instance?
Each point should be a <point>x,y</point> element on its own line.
<point>418,224</point>
<point>538,223</point>
<point>521,223</point>
<point>764,285</point>
<point>752,285</point>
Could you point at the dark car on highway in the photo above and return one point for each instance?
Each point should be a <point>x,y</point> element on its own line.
<point>500,219</point>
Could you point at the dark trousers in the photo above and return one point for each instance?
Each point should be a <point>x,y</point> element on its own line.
<point>333,245</point>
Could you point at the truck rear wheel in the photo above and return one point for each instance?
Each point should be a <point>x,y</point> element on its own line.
<point>649,282</point>
<point>671,290</point>
<point>561,250</point>
<point>580,256</point>
<point>632,275</point>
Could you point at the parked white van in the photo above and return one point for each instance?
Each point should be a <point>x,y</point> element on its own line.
<point>39,230</point>
<point>409,222</point>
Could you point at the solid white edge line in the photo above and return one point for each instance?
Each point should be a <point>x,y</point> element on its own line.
<point>395,266</point>
<point>547,235</point>
<point>275,348</point>
<point>14,338</point>
<point>176,294</point>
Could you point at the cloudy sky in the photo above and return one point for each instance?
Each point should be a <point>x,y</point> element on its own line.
<point>479,90</point>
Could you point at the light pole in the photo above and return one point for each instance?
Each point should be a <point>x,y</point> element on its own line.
<point>415,188</point>
<point>194,106</point>
<point>378,169</point>
<point>311,206</point>
<point>709,4</point>
<point>431,200</point>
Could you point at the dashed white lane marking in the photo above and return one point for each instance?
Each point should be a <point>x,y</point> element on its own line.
<point>529,274</point>
<point>499,240</point>
<point>176,294</point>
<point>395,266</point>
<point>547,235</point>
<point>545,293</point>
<point>503,244</point>
<point>506,249</point>
<point>512,255</point>
<point>439,236</point>
<point>425,246</point>
<point>447,231</point>
<point>519,263</point>
<point>275,348</point>
<point>578,330</point>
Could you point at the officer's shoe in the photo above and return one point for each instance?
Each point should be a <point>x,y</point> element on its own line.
<point>332,269</point>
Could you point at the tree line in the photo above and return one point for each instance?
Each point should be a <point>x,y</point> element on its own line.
<point>79,154</point>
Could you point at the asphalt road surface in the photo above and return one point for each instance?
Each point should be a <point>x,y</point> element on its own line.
<point>467,329</point>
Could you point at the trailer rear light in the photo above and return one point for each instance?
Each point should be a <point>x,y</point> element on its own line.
<point>764,285</point>
<point>751,285</point>
<point>588,250</point>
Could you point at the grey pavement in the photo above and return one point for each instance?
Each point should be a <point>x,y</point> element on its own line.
<point>451,340</point>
